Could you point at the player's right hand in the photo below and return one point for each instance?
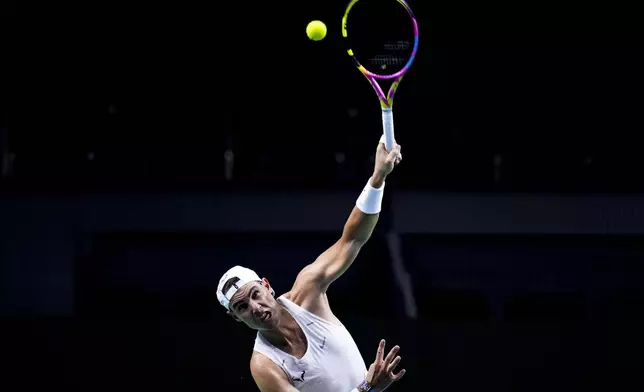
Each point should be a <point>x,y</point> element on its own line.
<point>386,161</point>
<point>381,372</point>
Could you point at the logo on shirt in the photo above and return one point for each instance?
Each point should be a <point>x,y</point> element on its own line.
<point>299,379</point>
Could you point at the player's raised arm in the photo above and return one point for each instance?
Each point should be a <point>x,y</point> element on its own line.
<point>331,264</point>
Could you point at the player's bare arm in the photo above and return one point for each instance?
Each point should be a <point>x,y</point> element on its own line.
<point>313,281</point>
<point>268,376</point>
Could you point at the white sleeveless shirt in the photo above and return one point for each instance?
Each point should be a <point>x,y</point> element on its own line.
<point>332,362</point>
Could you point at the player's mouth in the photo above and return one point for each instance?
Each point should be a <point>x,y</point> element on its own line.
<point>266,316</point>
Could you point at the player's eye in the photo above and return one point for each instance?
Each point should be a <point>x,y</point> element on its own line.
<point>254,295</point>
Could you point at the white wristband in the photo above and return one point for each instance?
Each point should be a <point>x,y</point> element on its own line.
<point>370,200</point>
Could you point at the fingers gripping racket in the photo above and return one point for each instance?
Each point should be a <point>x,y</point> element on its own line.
<point>384,33</point>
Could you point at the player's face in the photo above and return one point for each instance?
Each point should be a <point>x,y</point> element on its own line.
<point>255,306</point>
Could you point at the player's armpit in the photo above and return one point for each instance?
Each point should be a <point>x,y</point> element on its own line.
<point>268,376</point>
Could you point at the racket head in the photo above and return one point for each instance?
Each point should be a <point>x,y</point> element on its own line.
<point>384,33</point>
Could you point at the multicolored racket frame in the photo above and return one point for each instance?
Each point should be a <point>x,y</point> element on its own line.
<point>386,101</point>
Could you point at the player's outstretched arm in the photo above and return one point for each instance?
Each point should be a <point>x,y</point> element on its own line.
<point>331,264</point>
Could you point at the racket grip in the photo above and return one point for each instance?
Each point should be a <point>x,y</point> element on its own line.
<point>388,128</point>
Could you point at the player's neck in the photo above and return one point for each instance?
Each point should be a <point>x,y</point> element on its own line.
<point>286,332</point>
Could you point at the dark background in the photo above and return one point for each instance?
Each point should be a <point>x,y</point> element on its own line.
<point>518,203</point>
<point>157,90</point>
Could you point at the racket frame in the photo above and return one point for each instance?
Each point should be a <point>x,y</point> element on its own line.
<point>386,101</point>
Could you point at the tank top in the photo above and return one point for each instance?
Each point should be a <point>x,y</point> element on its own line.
<point>332,361</point>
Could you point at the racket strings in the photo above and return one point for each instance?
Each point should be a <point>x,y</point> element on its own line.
<point>380,33</point>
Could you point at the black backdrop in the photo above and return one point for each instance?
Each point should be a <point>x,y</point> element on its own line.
<point>157,91</point>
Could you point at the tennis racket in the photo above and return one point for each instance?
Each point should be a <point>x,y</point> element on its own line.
<point>384,35</point>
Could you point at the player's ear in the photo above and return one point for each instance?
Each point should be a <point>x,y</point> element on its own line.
<point>268,286</point>
<point>231,314</point>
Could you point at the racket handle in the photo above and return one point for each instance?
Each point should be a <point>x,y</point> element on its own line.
<point>388,128</point>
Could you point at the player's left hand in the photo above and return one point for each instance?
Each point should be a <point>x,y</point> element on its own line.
<point>381,374</point>
<point>386,161</point>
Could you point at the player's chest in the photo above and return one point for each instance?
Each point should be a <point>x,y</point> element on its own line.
<point>313,376</point>
<point>323,360</point>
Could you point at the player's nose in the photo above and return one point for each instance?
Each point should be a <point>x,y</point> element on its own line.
<point>257,309</point>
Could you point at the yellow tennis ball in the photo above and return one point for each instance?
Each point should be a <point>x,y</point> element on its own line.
<point>316,30</point>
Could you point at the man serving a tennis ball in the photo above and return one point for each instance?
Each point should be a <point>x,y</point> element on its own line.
<point>301,345</point>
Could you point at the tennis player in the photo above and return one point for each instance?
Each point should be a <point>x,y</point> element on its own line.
<point>301,345</point>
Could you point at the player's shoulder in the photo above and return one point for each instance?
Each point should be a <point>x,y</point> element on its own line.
<point>261,365</point>
<point>258,359</point>
<point>267,374</point>
<point>305,288</point>
<point>297,295</point>
<point>288,295</point>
